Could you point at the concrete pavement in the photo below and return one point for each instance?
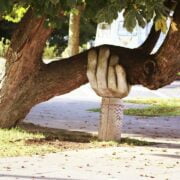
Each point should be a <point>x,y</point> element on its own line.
<point>123,163</point>
<point>70,112</point>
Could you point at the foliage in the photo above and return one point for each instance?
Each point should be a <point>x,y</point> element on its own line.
<point>16,14</point>
<point>7,28</point>
<point>59,37</point>
<point>50,52</point>
<point>4,44</point>
<point>134,11</point>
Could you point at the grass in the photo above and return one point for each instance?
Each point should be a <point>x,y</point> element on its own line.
<point>94,110</point>
<point>14,142</point>
<point>124,141</point>
<point>29,140</point>
<point>158,107</point>
<point>155,101</point>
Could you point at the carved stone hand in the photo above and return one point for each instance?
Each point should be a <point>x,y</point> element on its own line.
<point>106,76</point>
<point>108,79</point>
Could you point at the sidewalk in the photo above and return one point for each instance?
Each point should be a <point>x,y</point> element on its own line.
<point>123,163</point>
<point>158,162</point>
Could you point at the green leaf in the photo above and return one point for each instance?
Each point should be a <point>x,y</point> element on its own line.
<point>55,2</point>
<point>130,20</point>
<point>161,24</point>
<point>140,20</point>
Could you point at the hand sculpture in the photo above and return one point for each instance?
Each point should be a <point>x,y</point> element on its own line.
<point>106,76</point>
<point>108,79</point>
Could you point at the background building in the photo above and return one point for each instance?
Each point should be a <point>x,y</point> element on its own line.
<point>116,34</point>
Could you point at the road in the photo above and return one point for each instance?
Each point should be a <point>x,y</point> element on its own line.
<point>70,111</point>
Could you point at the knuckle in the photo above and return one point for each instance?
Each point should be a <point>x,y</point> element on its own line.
<point>104,52</point>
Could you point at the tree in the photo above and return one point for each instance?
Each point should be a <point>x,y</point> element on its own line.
<point>74,31</point>
<point>6,29</point>
<point>80,30</point>
<point>28,81</point>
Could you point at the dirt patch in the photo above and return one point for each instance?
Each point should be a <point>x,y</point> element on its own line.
<point>74,140</point>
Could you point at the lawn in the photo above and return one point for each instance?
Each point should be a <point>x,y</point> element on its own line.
<point>157,107</point>
<point>29,140</point>
<point>34,140</point>
<point>16,142</point>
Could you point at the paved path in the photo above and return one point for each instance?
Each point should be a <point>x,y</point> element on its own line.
<point>123,163</point>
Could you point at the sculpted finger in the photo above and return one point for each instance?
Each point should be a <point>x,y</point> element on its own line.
<point>129,88</point>
<point>112,78</point>
<point>102,68</point>
<point>114,60</point>
<point>122,84</point>
<point>91,68</point>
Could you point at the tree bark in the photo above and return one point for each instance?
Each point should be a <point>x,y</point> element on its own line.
<point>18,92</point>
<point>28,81</point>
<point>74,32</point>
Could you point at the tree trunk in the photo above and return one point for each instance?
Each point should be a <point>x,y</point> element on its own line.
<point>74,32</point>
<point>28,81</point>
<point>18,93</point>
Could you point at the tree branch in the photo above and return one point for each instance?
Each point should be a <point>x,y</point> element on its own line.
<point>152,71</point>
<point>151,41</point>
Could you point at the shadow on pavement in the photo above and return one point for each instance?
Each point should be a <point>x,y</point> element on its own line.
<point>33,177</point>
<point>168,155</point>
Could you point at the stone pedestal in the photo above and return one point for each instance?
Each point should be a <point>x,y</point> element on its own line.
<point>111,119</point>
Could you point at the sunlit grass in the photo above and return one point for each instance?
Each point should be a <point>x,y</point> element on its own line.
<point>157,107</point>
<point>28,142</point>
<point>156,101</point>
<point>13,143</point>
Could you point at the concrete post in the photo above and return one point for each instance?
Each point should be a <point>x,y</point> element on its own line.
<point>111,119</point>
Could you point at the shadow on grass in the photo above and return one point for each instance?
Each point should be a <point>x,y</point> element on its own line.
<point>81,140</point>
<point>52,135</point>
